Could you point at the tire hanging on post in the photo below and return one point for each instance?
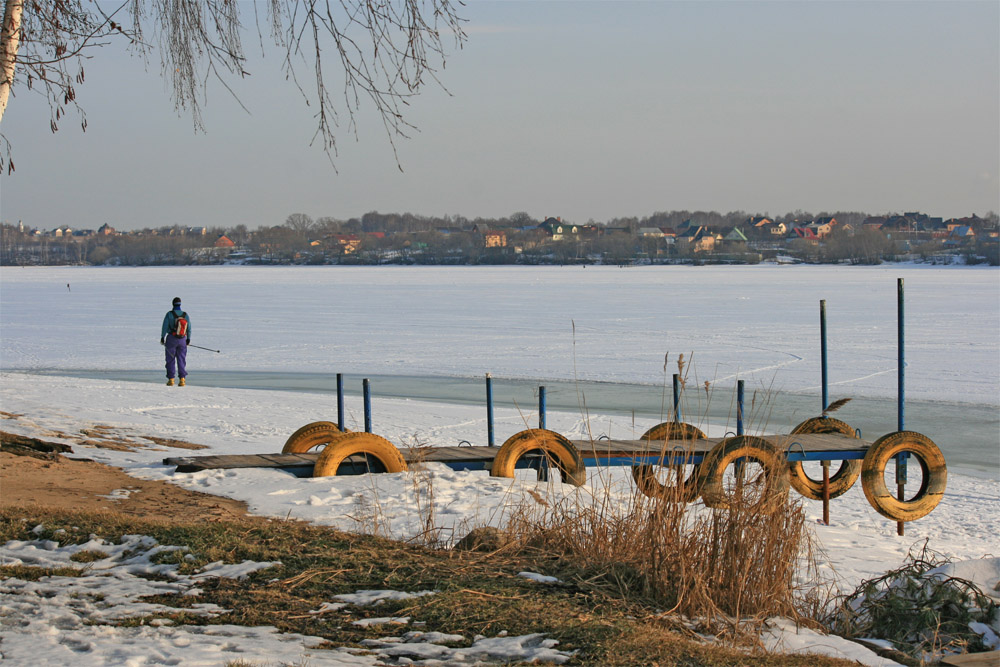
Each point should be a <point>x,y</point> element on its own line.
<point>842,480</point>
<point>673,431</point>
<point>682,491</point>
<point>932,466</point>
<point>375,450</point>
<point>644,474</point>
<point>730,451</point>
<point>310,436</point>
<point>556,449</point>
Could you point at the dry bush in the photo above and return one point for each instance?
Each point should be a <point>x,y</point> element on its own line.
<point>720,565</point>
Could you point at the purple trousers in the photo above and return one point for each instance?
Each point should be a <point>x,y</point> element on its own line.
<point>177,350</point>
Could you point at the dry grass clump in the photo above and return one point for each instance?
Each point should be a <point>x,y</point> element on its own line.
<point>722,566</point>
<point>729,568</point>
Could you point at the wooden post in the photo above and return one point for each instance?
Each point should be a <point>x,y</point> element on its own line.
<point>826,493</point>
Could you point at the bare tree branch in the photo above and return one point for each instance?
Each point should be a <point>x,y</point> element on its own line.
<point>386,51</point>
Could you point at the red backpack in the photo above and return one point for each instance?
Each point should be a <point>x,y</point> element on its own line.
<point>180,326</point>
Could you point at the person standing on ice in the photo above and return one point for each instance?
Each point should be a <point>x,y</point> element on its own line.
<point>175,336</point>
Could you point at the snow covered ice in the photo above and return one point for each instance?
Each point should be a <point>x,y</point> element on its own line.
<point>755,323</point>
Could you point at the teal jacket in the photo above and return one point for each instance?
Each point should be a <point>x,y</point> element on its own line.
<point>168,323</point>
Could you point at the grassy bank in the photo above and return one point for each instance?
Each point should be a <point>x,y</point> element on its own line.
<point>479,592</point>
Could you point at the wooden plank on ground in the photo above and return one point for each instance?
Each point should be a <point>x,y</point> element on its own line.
<point>229,461</point>
<point>184,464</point>
<point>242,461</point>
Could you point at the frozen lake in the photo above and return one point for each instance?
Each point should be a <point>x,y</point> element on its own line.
<point>604,332</point>
<point>596,338</point>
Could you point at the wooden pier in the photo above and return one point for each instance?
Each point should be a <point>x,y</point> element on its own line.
<point>801,447</point>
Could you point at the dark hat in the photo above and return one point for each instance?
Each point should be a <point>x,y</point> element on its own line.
<point>177,300</point>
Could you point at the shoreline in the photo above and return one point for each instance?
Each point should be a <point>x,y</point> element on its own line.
<point>152,375</point>
<point>387,410</point>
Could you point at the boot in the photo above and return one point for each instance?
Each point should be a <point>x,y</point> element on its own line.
<point>181,382</point>
<point>170,382</point>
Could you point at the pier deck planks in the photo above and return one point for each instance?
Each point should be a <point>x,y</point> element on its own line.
<point>812,446</point>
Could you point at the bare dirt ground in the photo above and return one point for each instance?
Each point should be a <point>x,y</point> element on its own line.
<point>33,472</point>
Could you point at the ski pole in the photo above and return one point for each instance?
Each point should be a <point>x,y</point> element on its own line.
<point>205,348</point>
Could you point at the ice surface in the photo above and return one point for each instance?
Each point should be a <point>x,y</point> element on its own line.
<point>757,323</point>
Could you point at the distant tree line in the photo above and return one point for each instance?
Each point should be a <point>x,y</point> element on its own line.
<point>406,238</point>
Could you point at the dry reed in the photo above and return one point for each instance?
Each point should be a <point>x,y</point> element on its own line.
<point>720,565</point>
<point>723,566</point>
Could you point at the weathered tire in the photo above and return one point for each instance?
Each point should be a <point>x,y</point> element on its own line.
<point>686,492</point>
<point>673,431</point>
<point>932,465</point>
<point>311,436</point>
<point>714,465</point>
<point>368,445</point>
<point>644,474</point>
<point>557,449</point>
<point>842,480</point>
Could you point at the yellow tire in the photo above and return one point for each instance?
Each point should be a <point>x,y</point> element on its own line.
<point>685,490</point>
<point>730,451</point>
<point>932,467</point>
<point>673,431</point>
<point>558,451</point>
<point>682,491</point>
<point>379,454</point>
<point>842,480</point>
<point>310,436</point>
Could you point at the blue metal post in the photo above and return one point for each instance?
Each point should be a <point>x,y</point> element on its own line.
<point>490,433</point>
<point>677,398</point>
<point>340,401</point>
<point>900,381</point>
<point>826,401</point>
<point>740,462</point>
<point>739,407</point>
<point>541,407</point>
<point>901,361</point>
<point>823,366</point>
<point>542,462</point>
<point>368,404</point>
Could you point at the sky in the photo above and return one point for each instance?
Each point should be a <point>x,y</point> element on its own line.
<point>583,110</point>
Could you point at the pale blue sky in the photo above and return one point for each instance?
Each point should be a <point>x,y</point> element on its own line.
<point>585,110</point>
